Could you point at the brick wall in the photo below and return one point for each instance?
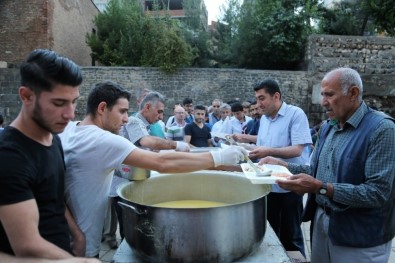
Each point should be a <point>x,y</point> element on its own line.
<point>23,27</point>
<point>58,25</point>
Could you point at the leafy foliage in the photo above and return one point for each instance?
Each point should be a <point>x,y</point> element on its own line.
<point>267,34</point>
<point>365,17</point>
<point>344,18</point>
<point>127,37</point>
<point>194,33</point>
<point>257,34</point>
<point>226,35</point>
<point>163,45</point>
<point>383,14</point>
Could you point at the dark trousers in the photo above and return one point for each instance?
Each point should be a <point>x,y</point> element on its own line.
<point>284,213</point>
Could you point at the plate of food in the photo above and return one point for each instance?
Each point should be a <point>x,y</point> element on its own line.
<point>269,173</point>
<point>219,135</point>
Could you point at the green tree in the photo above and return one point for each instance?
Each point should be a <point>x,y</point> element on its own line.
<point>226,34</point>
<point>383,14</point>
<point>195,34</point>
<point>272,34</point>
<point>118,40</point>
<point>365,17</point>
<point>164,46</point>
<point>127,37</point>
<point>344,18</point>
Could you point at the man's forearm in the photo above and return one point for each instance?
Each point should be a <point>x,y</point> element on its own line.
<point>78,237</point>
<point>286,152</point>
<point>156,143</point>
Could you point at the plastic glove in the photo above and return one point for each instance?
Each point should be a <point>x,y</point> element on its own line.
<point>182,147</point>
<point>231,155</point>
<point>247,146</point>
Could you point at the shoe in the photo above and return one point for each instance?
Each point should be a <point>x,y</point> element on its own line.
<point>113,244</point>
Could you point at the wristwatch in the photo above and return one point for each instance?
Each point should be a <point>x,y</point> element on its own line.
<point>324,189</point>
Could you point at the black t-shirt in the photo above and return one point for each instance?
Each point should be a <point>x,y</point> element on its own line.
<point>30,170</point>
<point>199,136</point>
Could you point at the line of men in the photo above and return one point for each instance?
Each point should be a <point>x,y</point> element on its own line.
<point>54,187</point>
<point>285,134</point>
<point>351,173</point>
<point>197,131</point>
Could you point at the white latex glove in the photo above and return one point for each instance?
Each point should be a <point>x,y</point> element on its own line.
<point>182,147</point>
<point>247,146</point>
<point>231,155</point>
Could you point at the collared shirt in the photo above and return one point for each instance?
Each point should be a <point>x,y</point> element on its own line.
<point>218,127</point>
<point>135,129</point>
<point>253,126</point>
<point>234,126</point>
<point>212,119</point>
<point>289,127</point>
<point>189,118</point>
<point>379,167</point>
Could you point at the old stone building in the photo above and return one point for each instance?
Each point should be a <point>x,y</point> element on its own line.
<point>58,25</point>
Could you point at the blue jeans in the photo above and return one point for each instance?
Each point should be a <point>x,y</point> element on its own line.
<point>284,213</point>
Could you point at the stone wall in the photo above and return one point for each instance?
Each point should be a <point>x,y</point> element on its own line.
<point>367,55</point>
<point>202,85</point>
<point>301,88</point>
<point>372,57</point>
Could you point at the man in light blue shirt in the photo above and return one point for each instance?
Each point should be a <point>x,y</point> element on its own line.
<point>284,133</point>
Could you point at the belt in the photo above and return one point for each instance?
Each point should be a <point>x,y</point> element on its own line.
<point>327,210</point>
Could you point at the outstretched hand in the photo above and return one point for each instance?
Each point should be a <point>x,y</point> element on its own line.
<point>300,184</point>
<point>272,160</point>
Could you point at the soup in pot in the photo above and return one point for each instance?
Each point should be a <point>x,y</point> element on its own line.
<point>189,204</point>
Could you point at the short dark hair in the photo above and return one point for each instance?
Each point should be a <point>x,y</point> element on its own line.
<point>199,107</point>
<point>44,68</point>
<point>237,106</point>
<point>187,101</point>
<point>270,85</point>
<point>1,119</point>
<point>254,102</point>
<point>107,91</point>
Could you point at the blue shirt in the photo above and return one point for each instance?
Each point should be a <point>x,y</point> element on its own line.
<point>212,119</point>
<point>289,127</point>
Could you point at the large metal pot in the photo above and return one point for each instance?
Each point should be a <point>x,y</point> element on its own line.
<point>220,234</point>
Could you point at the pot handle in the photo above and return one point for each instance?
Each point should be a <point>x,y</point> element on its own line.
<point>133,208</point>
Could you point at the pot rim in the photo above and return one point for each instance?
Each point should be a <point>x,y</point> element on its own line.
<point>155,174</point>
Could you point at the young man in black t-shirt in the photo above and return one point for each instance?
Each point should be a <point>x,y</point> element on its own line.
<point>197,133</point>
<point>32,208</point>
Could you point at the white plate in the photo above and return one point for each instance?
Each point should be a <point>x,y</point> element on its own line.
<point>270,168</point>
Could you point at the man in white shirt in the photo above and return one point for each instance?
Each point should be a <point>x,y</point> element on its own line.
<point>218,127</point>
<point>93,150</point>
<point>237,124</point>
